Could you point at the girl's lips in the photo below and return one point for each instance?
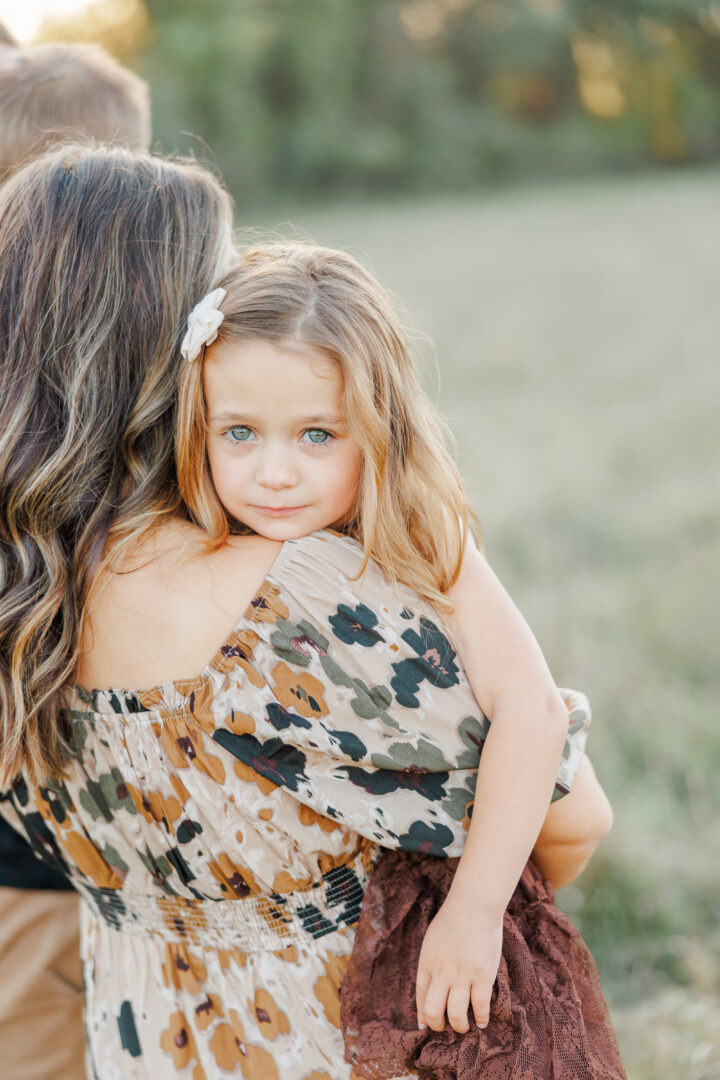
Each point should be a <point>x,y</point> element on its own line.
<point>282,512</point>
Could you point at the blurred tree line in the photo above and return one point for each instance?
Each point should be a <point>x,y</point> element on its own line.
<point>315,96</point>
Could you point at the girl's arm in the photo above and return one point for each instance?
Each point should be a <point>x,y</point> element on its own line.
<point>513,686</point>
<point>573,828</point>
<point>529,722</point>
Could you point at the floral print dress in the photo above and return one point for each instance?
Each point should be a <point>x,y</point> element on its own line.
<point>222,829</point>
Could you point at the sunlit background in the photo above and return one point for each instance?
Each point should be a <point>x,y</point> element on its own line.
<point>369,96</point>
<point>539,181</point>
<point>36,20</point>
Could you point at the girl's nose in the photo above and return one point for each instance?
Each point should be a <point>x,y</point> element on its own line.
<point>275,471</point>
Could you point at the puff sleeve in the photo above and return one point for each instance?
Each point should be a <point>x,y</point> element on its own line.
<point>368,717</point>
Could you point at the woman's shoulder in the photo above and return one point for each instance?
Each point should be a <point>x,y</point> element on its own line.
<point>173,565</point>
<point>161,613</point>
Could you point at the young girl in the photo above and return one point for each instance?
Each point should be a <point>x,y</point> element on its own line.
<point>216,745</point>
<point>300,411</point>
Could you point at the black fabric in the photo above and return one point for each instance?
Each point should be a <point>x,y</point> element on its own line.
<point>21,869</point>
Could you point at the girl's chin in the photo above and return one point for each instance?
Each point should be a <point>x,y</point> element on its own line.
<point>282,532</point>
<point>291,527</point>
<point>283,528</point>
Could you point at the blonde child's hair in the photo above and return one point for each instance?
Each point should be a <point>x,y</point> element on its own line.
<point>411,514</point>
<point>58,93</point>
<point>102,254</point>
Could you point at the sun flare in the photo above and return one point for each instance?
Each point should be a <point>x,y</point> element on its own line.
<point>25,20</point>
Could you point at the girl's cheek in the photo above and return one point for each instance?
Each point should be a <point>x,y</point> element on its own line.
<point>224,478</point>
<point>349,487</point>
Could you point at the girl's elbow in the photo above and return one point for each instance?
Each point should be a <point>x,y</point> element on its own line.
<point>599,824</point>
<point>595,832</point>
<point>605,820</point>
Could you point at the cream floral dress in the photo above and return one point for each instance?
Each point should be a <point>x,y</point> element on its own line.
<point>221,830</point>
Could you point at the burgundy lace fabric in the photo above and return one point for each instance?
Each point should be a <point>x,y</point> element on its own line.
<point>548,1016</point>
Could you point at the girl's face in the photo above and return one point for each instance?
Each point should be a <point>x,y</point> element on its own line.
<point>281,457</point>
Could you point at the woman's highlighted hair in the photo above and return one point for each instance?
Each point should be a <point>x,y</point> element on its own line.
<point>103,252</point>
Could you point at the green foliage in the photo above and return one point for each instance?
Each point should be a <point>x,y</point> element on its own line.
<point>365,95</point>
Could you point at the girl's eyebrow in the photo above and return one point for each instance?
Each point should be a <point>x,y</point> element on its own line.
<point>237,417</point>
<point>223,416</point>
<point>322,418</point>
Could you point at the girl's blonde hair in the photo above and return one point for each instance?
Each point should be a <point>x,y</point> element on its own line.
<point>411,515</point>
<point>102,254</point>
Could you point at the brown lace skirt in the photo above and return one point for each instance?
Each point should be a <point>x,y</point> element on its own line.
<point>548,1017</point>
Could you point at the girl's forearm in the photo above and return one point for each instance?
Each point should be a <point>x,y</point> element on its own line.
<point>515,782</point>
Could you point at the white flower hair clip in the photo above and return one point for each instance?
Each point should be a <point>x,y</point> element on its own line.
<point>203,323</point>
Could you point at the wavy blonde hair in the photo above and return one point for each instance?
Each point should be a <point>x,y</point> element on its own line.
<point>102,254</point>
<point>411,515</point>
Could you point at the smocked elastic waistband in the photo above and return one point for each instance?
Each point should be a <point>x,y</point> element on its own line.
<point>268,922</point>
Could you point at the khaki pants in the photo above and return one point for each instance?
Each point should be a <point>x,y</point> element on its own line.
<point>41,995</point>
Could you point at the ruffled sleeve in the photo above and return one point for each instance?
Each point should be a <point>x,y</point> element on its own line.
<point>369,718</point>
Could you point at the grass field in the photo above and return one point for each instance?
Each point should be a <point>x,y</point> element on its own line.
<point>577,332</point>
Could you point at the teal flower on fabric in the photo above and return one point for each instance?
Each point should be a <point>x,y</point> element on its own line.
<point>187,830</point>
<point>108,903</point>
<point>473,731</point>
<point>115,861</point>
<point>57,799</point>
<point>431,785</point>
<point>159,869</point>
<point>298,642</point>
<point>281,718</point>
<point>429,839</point>
<point>284,765</point>
<point>435,662</point>
<point>423,757</point>
<point>108,793</point>
<point>460,800</point>
<point>128,1032</point>
<point>368,701</point>
<point>356,626</point>
<point>348,743</point>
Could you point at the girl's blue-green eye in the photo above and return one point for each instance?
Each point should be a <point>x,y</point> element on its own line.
<point>239,434</point>
<point>317,436</point>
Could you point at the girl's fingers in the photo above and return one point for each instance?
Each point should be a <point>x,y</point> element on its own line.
<point>434,1008</point>
<point>480,998</point>
<point>457,1007</point>
<point>421,986</point>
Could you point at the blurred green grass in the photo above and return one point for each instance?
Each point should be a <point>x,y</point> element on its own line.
<point>576,331</point>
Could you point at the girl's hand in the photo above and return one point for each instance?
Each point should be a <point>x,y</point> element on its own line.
<point>458,964</point>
